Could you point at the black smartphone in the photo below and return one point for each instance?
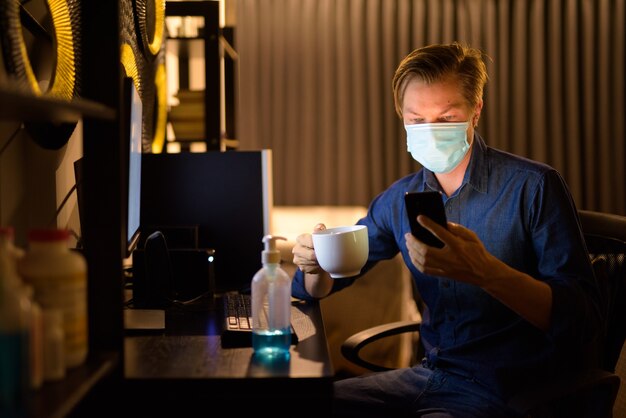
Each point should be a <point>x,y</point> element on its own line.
<point>429,204</point>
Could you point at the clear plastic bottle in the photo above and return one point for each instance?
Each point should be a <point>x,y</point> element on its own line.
<point>59,277</point>
<point>15,375</point>
<point>33,316</point>
<point>271,304</point>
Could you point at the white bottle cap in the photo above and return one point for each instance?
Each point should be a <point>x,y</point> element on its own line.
<point>271,255</point>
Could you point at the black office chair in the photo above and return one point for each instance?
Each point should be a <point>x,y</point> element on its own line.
<point>591,393</point>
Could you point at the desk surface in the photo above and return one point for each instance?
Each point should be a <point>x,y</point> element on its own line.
<point>188,358</point>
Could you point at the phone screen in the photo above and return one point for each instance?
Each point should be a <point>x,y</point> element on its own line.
<point>429,204</point>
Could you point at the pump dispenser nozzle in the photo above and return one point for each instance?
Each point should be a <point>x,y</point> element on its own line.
<point>271,304</point>
<point>271,254</point>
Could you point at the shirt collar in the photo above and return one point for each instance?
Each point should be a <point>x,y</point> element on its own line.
<point>477,172</point>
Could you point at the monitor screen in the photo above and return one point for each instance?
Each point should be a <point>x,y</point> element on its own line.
<point>133,130</point>
<point>226,196</point>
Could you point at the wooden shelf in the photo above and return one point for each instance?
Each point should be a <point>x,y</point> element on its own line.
<point>18,105</point>
<point>58,399</point>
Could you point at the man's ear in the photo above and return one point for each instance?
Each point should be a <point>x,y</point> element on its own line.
<point>477,110</point>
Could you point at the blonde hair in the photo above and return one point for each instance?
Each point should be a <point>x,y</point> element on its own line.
<point>436,62</point>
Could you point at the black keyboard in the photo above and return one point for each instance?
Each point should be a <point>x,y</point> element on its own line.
<point>237,312</point>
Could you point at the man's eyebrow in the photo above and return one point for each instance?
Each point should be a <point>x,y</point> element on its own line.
<point>453,106</point>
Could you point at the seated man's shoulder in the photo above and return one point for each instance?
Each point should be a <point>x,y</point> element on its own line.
<point>514,162</point>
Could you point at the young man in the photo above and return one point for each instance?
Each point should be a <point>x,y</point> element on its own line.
<point>510,299</point>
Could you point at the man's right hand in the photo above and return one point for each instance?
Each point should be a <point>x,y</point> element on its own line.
<point>317,282</point>
<point>304,253</point>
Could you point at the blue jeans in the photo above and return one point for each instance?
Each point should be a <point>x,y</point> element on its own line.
<point>415,392</point>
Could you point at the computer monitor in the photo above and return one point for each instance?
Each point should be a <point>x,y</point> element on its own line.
<point>132,131</point>
<point>130,167</point>
<point>227,196</point>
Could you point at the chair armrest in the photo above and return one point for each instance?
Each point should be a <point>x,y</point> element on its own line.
<point>570,386</point>
<point>351,347</point>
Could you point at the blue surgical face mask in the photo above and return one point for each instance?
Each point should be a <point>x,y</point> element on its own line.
<point>439,147</point>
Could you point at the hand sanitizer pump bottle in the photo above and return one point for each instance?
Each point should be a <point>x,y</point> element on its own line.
<point>271,304</point>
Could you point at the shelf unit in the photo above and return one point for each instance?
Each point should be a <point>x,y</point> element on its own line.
<point>104,244</point>
<point>58,399</point>
<point>94,388</point>
<point>209,12</point>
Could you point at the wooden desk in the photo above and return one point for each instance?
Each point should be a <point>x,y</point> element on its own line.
<point>185,367</point>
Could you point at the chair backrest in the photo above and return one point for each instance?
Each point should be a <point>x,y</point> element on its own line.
<point>605,235</point>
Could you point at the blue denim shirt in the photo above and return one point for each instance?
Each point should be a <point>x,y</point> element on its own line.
<point>523,213</point>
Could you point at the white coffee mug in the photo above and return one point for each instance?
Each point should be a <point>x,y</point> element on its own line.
<point>342,251</point>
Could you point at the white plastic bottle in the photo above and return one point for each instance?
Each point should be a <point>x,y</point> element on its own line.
<point>271,304</point>
<point>15,376</point>
<point>35,339</point>
<point>59,278</point>
<point>7,234</point>
<point>54,343</point>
